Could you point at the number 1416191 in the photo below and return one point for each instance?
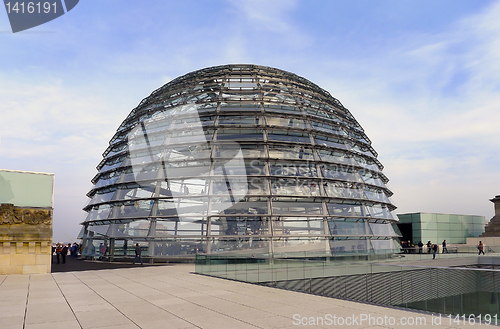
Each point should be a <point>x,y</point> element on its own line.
<point>472,319</point>
<point>31,7</point>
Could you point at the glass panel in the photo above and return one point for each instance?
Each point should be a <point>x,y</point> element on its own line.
<point>238,119</point>
<point>371,178</point>
<point>341,172</point>
<point>188,152</point>
<point>243,243</point>
<point>225,205</point>
<point>376,194</point>
<point>240,95</point>
<point>145,140</point>
<point>99,212</point>
<point>293,169</point>
<point>303,245</point>
<point>288,136</point>
<point>239,226</point>
<point>174,170</point>
<point>117,230</point>
<point>232,149</point>
<point>143,157</point>
<point>176,188</point>
<point>238,107</point>
<point>139,172</point>
<point>349,227</point>
<point>336,156</point>
<point>138,228</point>
<point>366,163</point>
<point>185,226</point>
<point>355,210</point>
<point>257,186</point>
<point>288,152</point>
<point>138,208</point>
<point>443,226</point>
<point>363,149</point>
<point>379,211</point>
<point>295,187</point>
<point>166,208</point>
<point>325,126</point>
<point>135,191</point>
<point>286,122</point>
<point>234,187</point>
<point>297,208</point>
<point>380,229</point>
<point>196,135</point>
<point>442,218</point>
<point>239,134</point>
<point>274,95</point>
<point>344,190</point>
<point>298,225</point>
<point>102,197</point>
<point>330,141</point>
<point>202,97</point>
<point>281,109</point>
<point>345,246</point>
<point>317,113</point>
<point>383,245</point>
<point>116,149</point>
<point>429,225</point>
<point>241,83</point>
<point>253,167</point>
<point>107,179</point>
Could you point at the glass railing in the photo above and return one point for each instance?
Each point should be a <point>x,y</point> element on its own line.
<point>263,265</point>
<point>452,283</point>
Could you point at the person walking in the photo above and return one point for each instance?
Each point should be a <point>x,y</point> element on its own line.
<point>434,251</point>
<point>429,247</point>
<point>137,253</point>
<point>480,247</point>
<point>444,247</point>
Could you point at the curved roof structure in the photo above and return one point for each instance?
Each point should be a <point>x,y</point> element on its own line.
<point>237,159</point>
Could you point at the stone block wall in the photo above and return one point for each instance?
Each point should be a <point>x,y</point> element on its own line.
<point>25,240</point>
<point>30,257</point>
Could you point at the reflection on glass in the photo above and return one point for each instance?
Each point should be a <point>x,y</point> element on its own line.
<point>288,136</point>
<point>352,210</point>
<point>288,152</point>
<point>138,208</point>
<point>296,208</point>
<point>236,158</point>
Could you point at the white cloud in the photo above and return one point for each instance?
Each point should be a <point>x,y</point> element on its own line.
<point>431,107</point>
<point>268,15</point>
<point>51,120</point>
<point>427,94</point>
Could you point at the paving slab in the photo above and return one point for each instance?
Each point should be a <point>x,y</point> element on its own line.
<point>174,297</point>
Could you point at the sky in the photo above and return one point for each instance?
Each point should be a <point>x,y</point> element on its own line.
<point>421,77</point>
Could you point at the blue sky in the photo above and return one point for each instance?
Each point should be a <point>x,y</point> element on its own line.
<point>421,77</point>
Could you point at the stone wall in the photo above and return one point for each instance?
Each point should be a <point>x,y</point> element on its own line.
<point>493,227</point>
<point>25,240</point>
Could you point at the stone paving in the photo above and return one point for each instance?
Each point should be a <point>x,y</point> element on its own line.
<point>174,297</point>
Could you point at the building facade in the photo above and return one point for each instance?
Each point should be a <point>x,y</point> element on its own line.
<point>242,159</point>
<point>26,212</point>
<point>425,227</point>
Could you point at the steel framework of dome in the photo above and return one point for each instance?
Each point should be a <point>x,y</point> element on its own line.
<point>239,159</point>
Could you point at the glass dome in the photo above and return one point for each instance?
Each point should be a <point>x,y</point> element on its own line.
<point>239,159</point>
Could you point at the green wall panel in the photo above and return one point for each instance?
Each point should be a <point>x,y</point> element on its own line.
<point>25,189</point>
